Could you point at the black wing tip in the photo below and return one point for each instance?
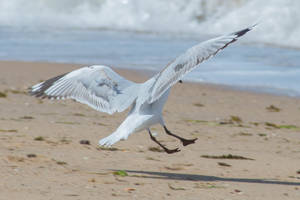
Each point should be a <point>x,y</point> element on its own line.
<point>40,93</point>
<point>244,31</point>
<point>238,34</point>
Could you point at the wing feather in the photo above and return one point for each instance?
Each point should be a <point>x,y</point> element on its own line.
<point>97,86</point>
<point>186,62</point>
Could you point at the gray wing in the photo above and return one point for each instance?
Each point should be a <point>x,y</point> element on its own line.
<point>97,86</point>
<point>186,62</point>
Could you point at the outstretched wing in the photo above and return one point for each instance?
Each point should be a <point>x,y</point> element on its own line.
<point>186,62</point>
<point>97,86</point>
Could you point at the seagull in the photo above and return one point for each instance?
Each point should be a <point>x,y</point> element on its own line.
<point>104,90</point>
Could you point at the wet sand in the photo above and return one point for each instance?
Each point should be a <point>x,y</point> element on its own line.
<point>41,156</point>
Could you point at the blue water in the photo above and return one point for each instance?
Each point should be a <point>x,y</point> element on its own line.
<point>247,66</point>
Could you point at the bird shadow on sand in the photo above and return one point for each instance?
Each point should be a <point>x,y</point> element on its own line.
<point>196,177</point>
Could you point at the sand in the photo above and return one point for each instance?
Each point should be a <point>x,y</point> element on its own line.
<point>41,156</point>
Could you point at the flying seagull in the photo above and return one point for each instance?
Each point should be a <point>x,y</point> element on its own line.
<point>104,90</point>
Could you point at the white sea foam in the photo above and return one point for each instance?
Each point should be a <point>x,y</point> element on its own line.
<point>280,18</point>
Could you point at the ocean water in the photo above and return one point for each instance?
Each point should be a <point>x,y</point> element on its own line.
<point>148,34</point>
<point>280,19</point>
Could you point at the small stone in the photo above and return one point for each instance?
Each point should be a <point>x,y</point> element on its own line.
<point>85,142</point>
<point>31,155</point>
<point>224,164</point>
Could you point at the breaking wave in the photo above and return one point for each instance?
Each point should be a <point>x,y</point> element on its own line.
<point>280,19</point>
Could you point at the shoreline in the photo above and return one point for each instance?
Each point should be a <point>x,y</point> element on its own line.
<point>143,75</point>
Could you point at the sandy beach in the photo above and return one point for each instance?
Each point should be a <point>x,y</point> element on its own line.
<point>248,144</point>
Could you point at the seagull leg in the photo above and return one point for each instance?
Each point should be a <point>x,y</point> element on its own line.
<point>169,151</point>
<point>184,141</point>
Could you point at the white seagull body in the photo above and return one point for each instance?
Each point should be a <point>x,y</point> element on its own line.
<point>103,89</point>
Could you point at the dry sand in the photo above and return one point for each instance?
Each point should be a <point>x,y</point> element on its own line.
<point>41,156</point>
